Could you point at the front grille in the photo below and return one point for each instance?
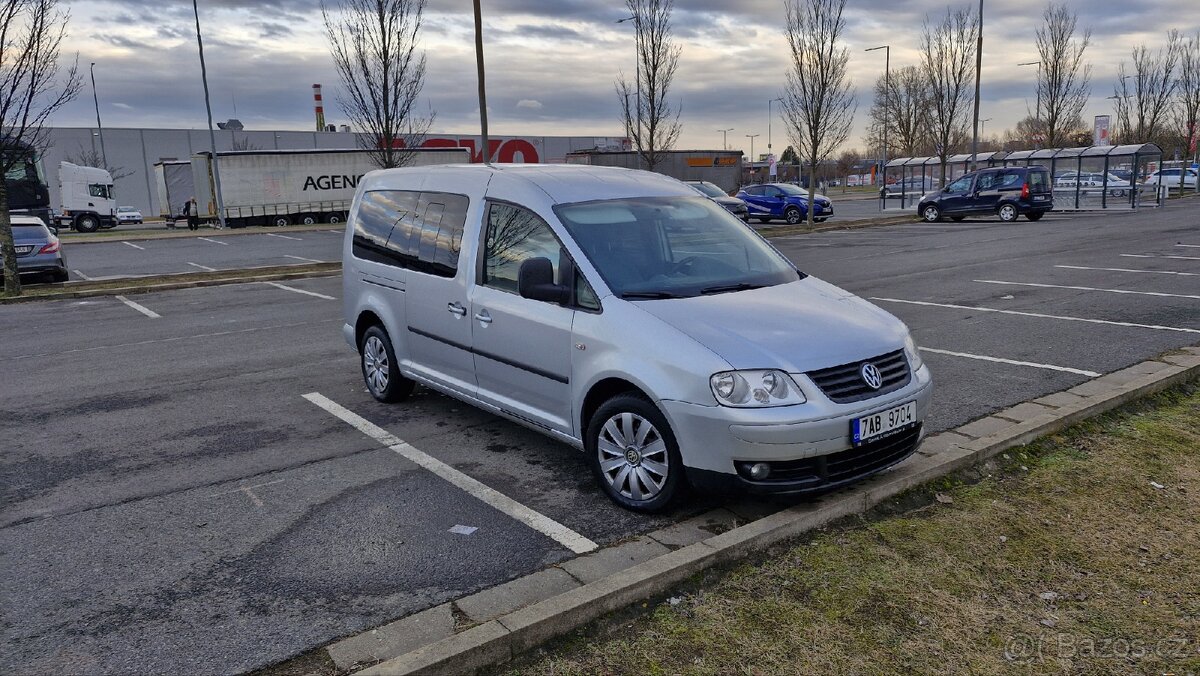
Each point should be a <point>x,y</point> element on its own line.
<point>844,465</point>
<point>844,384</point>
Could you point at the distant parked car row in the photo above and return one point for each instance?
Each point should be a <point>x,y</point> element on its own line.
<point>768,201</point>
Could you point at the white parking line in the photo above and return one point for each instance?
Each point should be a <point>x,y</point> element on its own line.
<point>214,241</point>
<point>1178,258</point>
<point>202,267</point>
<point>295,239</point>
<point>1090,288</point>
<point>140,308</point>
<point>292,288</point>
<point>1153,272</point>
<point>1042,316</point>
<point>1014,362</point>
<point>302,258</point>
<point>1190,246</point>
<point>539,522</point>
<point>82,276</point>
<point>139,248</point>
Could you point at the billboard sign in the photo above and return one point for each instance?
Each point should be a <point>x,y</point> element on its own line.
<point>1100,131</point>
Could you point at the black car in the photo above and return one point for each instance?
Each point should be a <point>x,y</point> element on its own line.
<point>1004,192</point>
<point>734,205</point>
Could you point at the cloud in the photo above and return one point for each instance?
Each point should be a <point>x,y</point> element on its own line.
<point>531,104</point>
<point>122,106</point>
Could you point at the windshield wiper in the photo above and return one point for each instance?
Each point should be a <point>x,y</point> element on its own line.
<point>649,295</point>
<point>740,286</point>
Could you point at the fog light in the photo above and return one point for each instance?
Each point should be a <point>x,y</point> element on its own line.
<point>760,471</point>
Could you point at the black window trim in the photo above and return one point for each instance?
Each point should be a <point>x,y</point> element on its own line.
<point>566,261</point>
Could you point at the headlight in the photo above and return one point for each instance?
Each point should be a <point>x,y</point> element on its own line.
<point>754,389</point>
<point>913,354</point>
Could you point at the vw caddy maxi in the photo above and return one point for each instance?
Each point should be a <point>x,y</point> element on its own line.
<point>623,314</point>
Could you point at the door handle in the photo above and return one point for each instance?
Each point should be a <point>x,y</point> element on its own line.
<point>457,309</point>
<point>483,317</point>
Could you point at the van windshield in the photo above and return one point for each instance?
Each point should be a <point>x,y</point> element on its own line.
<point>672,247</point>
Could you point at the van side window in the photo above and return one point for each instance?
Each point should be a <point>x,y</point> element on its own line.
<point>410,229</point>
<point>513,236</point>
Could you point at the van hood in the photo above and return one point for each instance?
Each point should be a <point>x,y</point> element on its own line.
<point>801,326</point>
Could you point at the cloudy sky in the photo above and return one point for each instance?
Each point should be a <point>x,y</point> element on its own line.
<point>551,63</point>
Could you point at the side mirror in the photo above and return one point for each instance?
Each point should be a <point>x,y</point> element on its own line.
<point>535,281</point>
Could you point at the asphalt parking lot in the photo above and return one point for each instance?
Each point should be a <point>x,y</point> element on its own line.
<point>179,493</point>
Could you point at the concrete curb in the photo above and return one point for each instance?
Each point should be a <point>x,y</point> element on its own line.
<point>518,618</point>
<point>188,280</point>
<point>140,235</point>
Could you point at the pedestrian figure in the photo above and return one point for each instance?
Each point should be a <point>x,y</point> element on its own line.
<point>189,212</point>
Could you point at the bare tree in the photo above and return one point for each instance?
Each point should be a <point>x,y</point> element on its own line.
<point>818,103</point>
<point>92,158</point>
<point>1064,77</point>
<point>947,61</point>
<point>1187,105</point>
<point>906,113</point>
<point>31,89</point>
<point>374,49</point>
<point>1142,107</point>
<point>651,121</point>
<point>243,143</point>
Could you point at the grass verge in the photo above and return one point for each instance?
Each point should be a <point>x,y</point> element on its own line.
<point>1077,553</point>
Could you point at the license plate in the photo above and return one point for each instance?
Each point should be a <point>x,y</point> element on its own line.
<point>1039,198</point>
<point>878,424</point>
<point>21,250</point>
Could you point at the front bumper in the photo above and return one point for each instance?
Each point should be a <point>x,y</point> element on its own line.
<point>714,440</point>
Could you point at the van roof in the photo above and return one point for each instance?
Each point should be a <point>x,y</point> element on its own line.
<point>563,183</point>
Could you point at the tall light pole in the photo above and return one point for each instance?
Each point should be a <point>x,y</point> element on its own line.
<point>752,137</point>
<point>770,117</point>
<point>887,93</point>
<point>978,68</point>
<point>212,137</point>
<point>725,137</point>
<point>99,128</point>
<point>637,65</point>
<point>483,124</point>
<point>983,126</point>
<point>1038,110</point>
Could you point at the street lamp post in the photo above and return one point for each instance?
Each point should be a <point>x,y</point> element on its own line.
<point>983,126</point>
<point>637,65</point>
<point>99,128</point>
<point>725,137</point>
<point>887,93</point>
<point>1038,110</point>
<point>978,69</point>
<point>212,137</point>
<point>752,137</point>
<point>770,117</point>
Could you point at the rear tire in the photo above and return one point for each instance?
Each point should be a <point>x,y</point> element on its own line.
<point>335,218</point>
<point>309,219</point>
<point>280,221</point>
<point>1034,215</point>
<point>60,276</point>
<point>87,223</point>
<point>1007,212</point>
<point>931,213</point>
<point>380,369</point>
<point>645,476</point>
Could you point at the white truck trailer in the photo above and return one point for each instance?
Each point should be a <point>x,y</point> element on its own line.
<point>283,187</point>
<point>87,198</point>
<point>173,178</point>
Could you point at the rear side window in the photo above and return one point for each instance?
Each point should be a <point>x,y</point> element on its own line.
<point>1039,181</point>
<point>30,232</point>
<point>409,229</point>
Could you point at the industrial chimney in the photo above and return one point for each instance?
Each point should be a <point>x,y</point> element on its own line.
<point>320,109</point>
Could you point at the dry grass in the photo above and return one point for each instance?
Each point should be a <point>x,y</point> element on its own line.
<point>1067,559</point>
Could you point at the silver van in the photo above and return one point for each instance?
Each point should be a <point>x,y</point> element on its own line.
<point>622,313</point>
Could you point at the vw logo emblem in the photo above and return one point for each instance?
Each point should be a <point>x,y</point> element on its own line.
<point>871,376</point>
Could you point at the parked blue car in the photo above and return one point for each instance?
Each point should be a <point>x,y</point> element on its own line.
<point>769,201</point>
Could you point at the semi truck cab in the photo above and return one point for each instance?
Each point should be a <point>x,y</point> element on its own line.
<point>88,203</point>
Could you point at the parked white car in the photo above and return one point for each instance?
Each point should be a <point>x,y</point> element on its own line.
<point>1170,178</point>
<point>622,313</point>
<point>128,215</point>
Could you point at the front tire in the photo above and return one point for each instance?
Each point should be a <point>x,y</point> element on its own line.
<point>87,223</point>
<point>380,368</point>
<point>1007,213</point>
<point>792,215</point>
<point>931,213</point>
<point>280,221</point>
<point>633,454</point>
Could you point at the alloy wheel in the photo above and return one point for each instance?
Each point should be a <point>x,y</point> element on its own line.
<point>375,364</point>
